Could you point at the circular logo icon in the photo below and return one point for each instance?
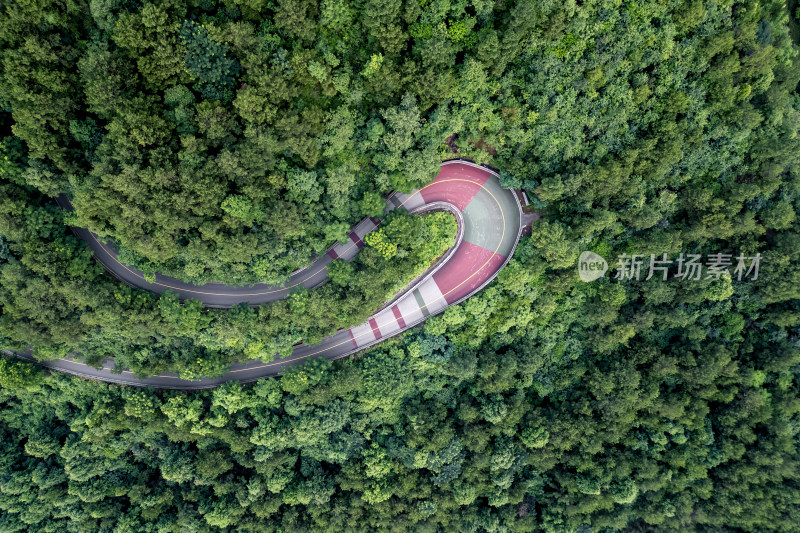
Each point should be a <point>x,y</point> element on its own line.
<point>591,266</point>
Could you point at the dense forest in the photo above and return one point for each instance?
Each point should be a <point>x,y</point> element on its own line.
<point>235,141</point>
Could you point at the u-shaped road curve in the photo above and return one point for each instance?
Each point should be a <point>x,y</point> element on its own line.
<point>489,220</point>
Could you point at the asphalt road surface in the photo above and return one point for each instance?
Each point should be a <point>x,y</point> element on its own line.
<point>490,219</point>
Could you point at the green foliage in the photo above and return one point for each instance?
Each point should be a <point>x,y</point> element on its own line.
<point>535,437</point>
<point>377,239</point>
<point>340,272</point>
<point>16,374</point>
<point>624,492</point>
<point>12,160</point>
<point>242,208</point>
<point>373,67</point>
<point>372,204</point>
<point>186,318</point>
<point>208,62</point>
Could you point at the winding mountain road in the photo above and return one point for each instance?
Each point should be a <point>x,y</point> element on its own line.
<point>489,219</point>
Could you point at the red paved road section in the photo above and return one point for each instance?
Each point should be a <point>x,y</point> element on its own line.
<point>356,239</point>
<point>458,193</point>
<point>374,325</point>
<point>399,316</point>
<point>352,339</point>
<point>469,259</point>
